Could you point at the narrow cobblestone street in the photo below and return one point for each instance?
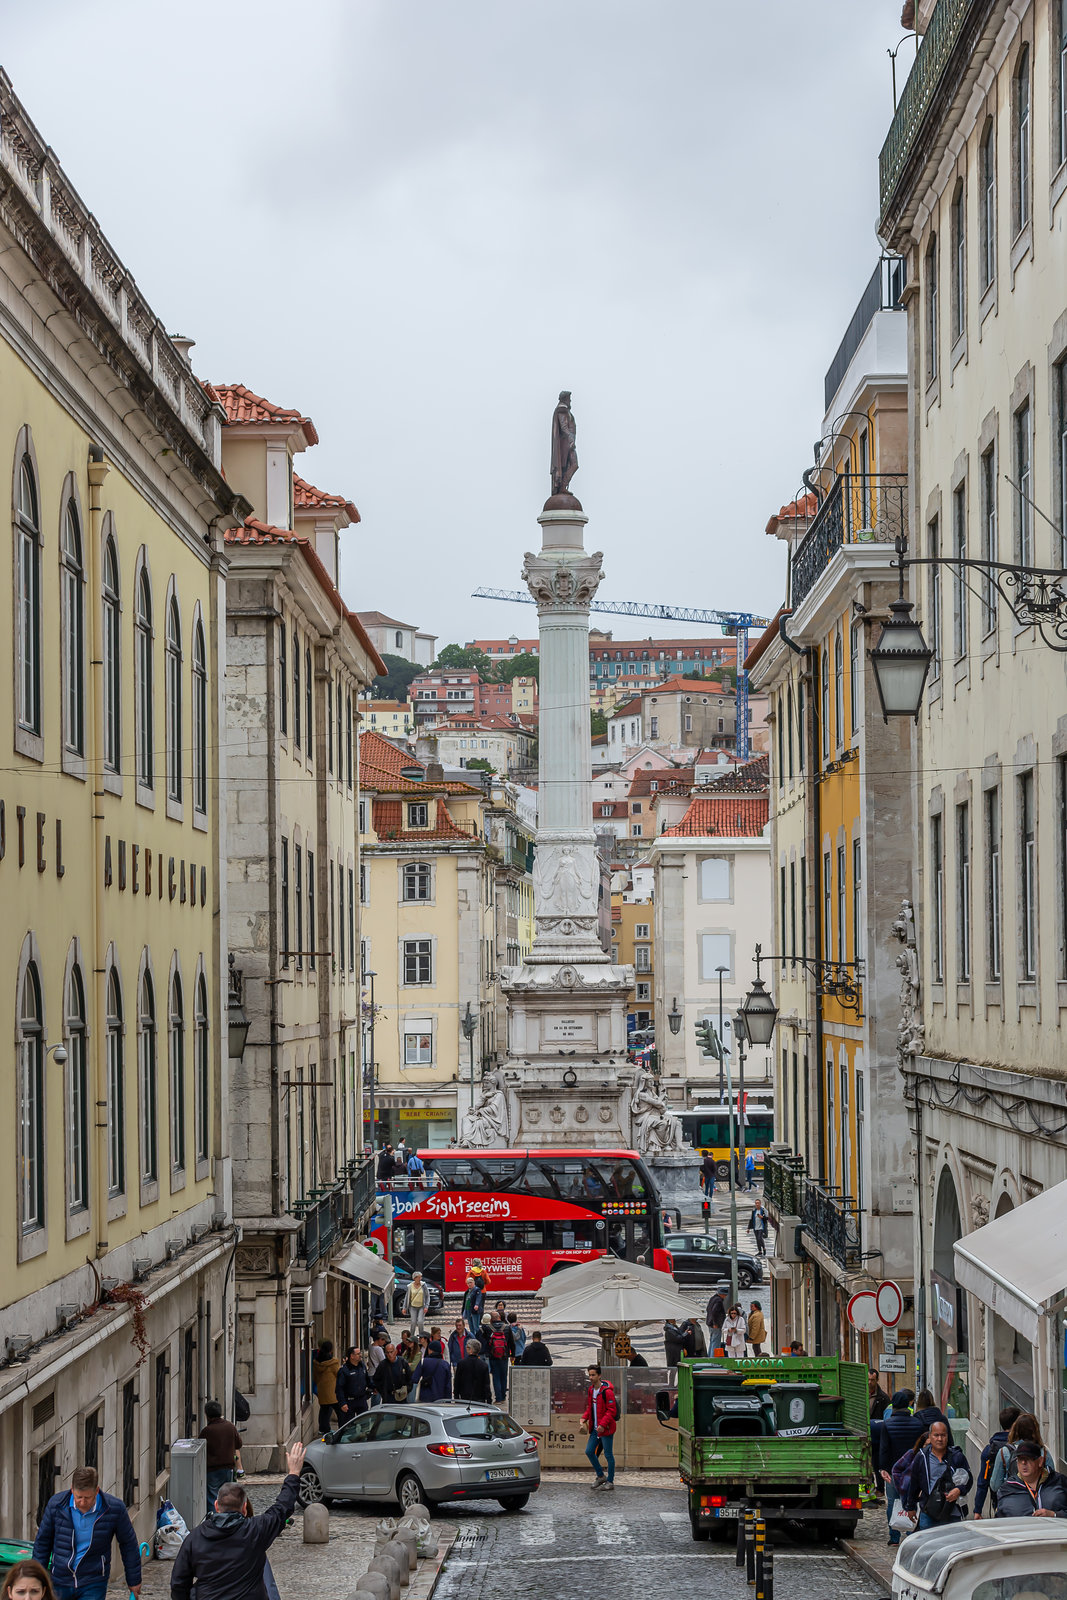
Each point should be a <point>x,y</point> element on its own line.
<point>634,1544</point>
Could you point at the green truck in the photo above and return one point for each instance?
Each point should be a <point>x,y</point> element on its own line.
<point>790,1435</point>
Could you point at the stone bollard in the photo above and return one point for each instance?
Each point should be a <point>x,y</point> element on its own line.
<point>375,1585</point>
<point>416,1513</point>
<point>389,1569</point>
<point>399,1552</point>
<point>410,1541</point>
<point>316,1525</point>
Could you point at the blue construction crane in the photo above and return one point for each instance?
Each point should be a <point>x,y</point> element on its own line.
<point>735,623</point>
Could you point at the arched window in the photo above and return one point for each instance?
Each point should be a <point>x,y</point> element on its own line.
<point>28,599</point>
<point>177,1075</point>
<point>1021,151</point>
<point>202,1068</point>
<point>174,702</point>
<point>959,262</point>
<point>296,690</point>
<point>112,648</point>
<point>31,1102</point>
<point>933,317</point>
<point>77,1096</point>
<point>839,689</point>
<point>73,581</point>
<point>825,704</point>
<point>147,1084</point>
<point>987,201</point>
<point>116,1089</point>
<point>309,707</point>
<point>146,765</point>
<point>199,719</point>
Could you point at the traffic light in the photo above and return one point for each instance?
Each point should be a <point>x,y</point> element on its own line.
<point>705,1037</point>
<point>705,1209</point>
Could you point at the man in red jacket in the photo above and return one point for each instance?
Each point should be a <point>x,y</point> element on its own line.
<point>599,1418</point>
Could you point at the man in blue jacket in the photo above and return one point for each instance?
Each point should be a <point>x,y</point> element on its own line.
<point>75,1536</point>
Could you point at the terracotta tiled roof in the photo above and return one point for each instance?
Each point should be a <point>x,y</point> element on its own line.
<point>681,685</point>
<point>388,818</point>
<point>378,619</point>
<point>307,497</point>
<point>766,638</point>
<point>802,509</point>
<point>721,816</point>
<point>382,763</point>
<point>242,405</point>
<point>632,708</point>
<point>750,777</point>
<point>255,532</point>
<point>652,780</point>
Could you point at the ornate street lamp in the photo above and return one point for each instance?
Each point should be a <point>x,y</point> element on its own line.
<point>759,1010</point>
<point>901,660</point>
<point>674,1016</point>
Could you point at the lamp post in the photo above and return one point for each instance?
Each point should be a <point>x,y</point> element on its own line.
<point>469,1023</point>
<point>674,1016</point>
<point>370,1065</point>
<point>720,971</point>
<point>758,1008</point>
<point>741,1035</point>
<point>733,1170</point>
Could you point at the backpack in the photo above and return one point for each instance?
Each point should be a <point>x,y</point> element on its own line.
<point>241,1408</point>
<point>498,1344</point>
<point>901,1473</point>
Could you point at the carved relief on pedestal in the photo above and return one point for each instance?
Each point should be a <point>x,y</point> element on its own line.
<point>581,1114</point>
<point>565,882</point>
<point>911,1032</point>
<point>561,585</point>
<point>605,1114</point>
<point>979,1211</point>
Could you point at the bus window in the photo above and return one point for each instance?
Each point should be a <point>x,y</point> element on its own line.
<point>518,1235</point>
<point>617,1238</point>
<point>580,1234</point>
<point>459,1236</point>
<point>641,1247</point>
<point>433,1251</point>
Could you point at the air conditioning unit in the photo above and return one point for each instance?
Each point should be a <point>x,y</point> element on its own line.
<point>300,1308</point>
<point>18,1344</point>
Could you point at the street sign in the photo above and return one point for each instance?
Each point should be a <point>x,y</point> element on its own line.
<point>863,1312</point>
<point>892,1364</point>
<point>890,1303</point>
<point>889,1341</point>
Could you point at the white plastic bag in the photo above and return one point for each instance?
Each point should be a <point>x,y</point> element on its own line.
<point>902,1521</point>
<point>171,1531</point>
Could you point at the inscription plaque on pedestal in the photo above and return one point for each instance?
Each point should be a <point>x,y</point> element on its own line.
<point>567,1028</point>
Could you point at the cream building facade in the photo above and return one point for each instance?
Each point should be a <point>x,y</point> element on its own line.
<point>712,906</point>
<point>116,1248</point>
<point>973,185</point>
<point>297,661</point>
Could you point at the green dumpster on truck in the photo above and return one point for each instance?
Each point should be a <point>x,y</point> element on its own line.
<point>799,1449</point>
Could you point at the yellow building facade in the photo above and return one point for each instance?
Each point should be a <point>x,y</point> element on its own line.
<point>633,945</point>
<point>115,1241</point>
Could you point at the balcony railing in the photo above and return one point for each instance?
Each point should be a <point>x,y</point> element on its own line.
<point>882,293</point>
<point>783,1183</point>
<point>939,41</point>
<point>860,508</point>
<point>329,1212</point>
<point>833,1221</point>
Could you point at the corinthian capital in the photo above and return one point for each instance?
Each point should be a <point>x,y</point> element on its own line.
<point>559,583</point>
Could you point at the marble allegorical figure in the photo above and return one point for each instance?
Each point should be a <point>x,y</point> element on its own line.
<point>655,1130</point>
<point>564,452</point>
<point>564,885</point>
<point>485,1126</point>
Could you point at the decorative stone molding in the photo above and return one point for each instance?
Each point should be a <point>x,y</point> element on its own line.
<point>911,1032</point>
<point>558,584</point>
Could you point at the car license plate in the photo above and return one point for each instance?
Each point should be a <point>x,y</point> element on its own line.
<point>728,1511</point>
<point>493,1473</point>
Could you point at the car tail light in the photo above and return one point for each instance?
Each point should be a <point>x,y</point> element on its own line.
<point>716,1500</point>
<point>531,1446</point>
<point>850,1503</point>
<point>449,1449</point>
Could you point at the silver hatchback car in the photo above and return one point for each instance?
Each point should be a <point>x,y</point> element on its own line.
<point>424,1455</point>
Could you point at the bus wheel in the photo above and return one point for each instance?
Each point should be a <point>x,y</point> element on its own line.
<point>722,1171</point>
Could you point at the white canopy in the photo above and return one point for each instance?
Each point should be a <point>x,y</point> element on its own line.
<point>364,1266</point>
<point>620,1302</point>
<point>590,1273</point>
<point>1018,1263</point>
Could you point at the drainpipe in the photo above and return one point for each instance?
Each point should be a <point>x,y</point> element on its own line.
<point>97,471</point>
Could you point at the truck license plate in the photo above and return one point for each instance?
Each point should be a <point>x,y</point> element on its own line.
<point>493,1473</point>
<point>728,1511</point>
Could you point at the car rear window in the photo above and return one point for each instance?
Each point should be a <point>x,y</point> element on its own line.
<point>482,1425</point>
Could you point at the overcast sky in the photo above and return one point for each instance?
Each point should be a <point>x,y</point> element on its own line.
<point>418,220</point>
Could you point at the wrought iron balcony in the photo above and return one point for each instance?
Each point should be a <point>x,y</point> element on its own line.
<point>860,508</point>
<point>942,35</point>
<point>783,1184</point>
<point>327,1213</point>
<point>833,1220</point>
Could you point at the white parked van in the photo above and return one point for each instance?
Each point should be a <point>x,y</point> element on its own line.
<point>1016,1558</point>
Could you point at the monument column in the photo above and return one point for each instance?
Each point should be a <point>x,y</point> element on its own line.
<point>566,1079</point>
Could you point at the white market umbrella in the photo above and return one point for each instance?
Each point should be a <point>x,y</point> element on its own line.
<point>591,1273</point>
<point>620,1302</point>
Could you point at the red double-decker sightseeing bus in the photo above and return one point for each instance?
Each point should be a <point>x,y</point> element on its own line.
<point>524,1214</point>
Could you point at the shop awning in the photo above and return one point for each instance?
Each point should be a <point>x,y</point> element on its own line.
<point>1018,1263</point>
<point>364,1266</point>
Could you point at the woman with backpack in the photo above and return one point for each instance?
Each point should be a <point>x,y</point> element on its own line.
<point>938,1480</point>
<point>1025,1426</point>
